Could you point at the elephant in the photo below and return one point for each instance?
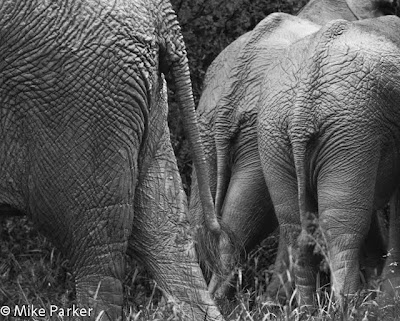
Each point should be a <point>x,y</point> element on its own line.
<point>85,147</point>
<point>328,130</point>
<point>227,115</point>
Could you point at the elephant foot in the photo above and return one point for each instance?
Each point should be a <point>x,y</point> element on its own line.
<point>104,298</point>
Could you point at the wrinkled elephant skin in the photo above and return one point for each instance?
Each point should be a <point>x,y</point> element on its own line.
<point>328,134</point>
<point>84,143</point>
<point>227,115</point>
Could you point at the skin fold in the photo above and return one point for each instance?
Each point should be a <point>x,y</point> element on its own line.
<point>228,116</point>
<point>85,149</point>
<point>328,132</point>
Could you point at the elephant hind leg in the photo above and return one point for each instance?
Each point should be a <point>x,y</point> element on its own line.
<point>346,195</point>
<point>282,184</point>
<point>281,285</point>
<point>344,231</point>
<point>98,259</point>
<point>248,213</point>
<point>301,244</point>
<point>100,296</point>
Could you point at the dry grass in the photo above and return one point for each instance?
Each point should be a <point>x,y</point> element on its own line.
<point>32,271</point>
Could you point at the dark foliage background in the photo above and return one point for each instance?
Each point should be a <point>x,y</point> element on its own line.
<point>208,26</point>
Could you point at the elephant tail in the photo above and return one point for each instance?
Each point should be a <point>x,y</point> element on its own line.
<point>305,200</point>
<point>207,243</point>
<point>208,250</point>
<point>223,142</point>
<point>173,56</point>
<point>186,102</point>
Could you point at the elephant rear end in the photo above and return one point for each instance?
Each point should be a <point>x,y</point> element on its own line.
<point>74,107</point>
<point>83,132</point>
<point>333,123</point>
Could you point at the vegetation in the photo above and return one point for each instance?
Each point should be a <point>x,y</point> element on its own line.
<point>32,271</point>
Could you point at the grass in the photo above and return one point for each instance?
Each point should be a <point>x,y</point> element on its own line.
<point>33,272</point>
